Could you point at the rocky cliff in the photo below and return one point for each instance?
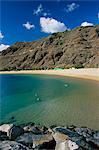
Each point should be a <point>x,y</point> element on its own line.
<point>75,48</point>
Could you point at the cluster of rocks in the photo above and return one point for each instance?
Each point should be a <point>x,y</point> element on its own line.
<point>35,137</point>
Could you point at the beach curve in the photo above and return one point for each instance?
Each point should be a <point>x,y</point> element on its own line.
<point>86,73</point>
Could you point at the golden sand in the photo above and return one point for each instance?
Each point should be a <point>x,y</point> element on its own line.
<point>88,73</point>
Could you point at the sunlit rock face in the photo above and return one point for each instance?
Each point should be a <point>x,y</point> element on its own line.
<point>75,48</point>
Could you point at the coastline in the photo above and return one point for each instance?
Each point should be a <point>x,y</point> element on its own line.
<point>35,136</point>
<point>86,73</point>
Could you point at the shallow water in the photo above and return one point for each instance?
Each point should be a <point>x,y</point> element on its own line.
<point>49,100</point>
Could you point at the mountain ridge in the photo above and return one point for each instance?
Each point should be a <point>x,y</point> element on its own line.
<point>77,48</point>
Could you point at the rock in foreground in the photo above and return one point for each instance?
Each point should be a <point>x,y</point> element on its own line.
<point>35,137</point>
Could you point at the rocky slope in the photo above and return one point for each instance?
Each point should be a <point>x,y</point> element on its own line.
<point>35,137</point>
<point>75,48</point>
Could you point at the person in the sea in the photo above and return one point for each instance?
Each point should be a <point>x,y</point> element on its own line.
<point>37,97</point>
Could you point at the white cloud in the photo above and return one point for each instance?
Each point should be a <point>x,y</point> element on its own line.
<point>38,10</point>
<point>46,14</point>
<point>71,7</point>
<point>98,15</point>
<point>85,24</point>
<point>1,35</point>
<point>41,11</point>
<point>3,47</point>
<point>50,25</point>
<point>28,26</point>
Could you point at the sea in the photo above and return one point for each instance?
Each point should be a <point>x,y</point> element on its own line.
<point>49,100</point>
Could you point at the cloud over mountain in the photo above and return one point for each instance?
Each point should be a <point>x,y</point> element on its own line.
<point>85,24</point>
<point>50,25</point>
<point>3,47</point>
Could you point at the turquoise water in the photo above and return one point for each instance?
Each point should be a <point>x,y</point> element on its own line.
<point>49,100</point>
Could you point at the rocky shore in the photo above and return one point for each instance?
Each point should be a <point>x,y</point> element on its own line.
<point>34,137</point>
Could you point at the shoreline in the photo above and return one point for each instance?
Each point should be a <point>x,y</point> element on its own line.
<point>87,73</point>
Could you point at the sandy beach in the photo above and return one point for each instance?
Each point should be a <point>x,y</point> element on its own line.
<point>89,73</point>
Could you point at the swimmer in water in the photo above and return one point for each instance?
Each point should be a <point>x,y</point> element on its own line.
<point>66,85</point>
<point>36,95</point>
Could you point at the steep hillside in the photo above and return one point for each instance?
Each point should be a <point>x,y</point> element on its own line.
<point>75,48</point>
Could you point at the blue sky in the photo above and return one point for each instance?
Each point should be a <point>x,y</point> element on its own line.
<point>32,20</point>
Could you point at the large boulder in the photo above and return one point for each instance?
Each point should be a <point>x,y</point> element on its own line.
<point>26,139</point>
<point>60,137</point>
<point>66,145</point>
<point>63,142</point>
<point>14,132</point>
<point>11,130</point>
<point>94,140</point>
<point>12,145</point>
<point>44,141</point>
<point>3,136</point>
<point>36,129</point>
<point>5,127</point>
<point>90,136</point>
<point>64,130</point>
<point>85,132</point>
<point>47,145</point>
<point>79,138</point>
<point>36,141</point>
<point>72,145</point>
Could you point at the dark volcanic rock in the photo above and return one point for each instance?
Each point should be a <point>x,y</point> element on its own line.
<point>90,135</point>
<point>82,137</point>
<point>85,132</point>
<point>12,145</point>
<point>14,132</point>
<point>3,136</point>
<point>48,145</point>
<point>36,129</point>
<point>76,48</point>
<point>36,141</point>
<point>31,136</point>
<point>44,141</point>
<point>26,139</point>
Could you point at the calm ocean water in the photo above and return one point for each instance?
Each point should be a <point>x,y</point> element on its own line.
<point>49,100</point>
